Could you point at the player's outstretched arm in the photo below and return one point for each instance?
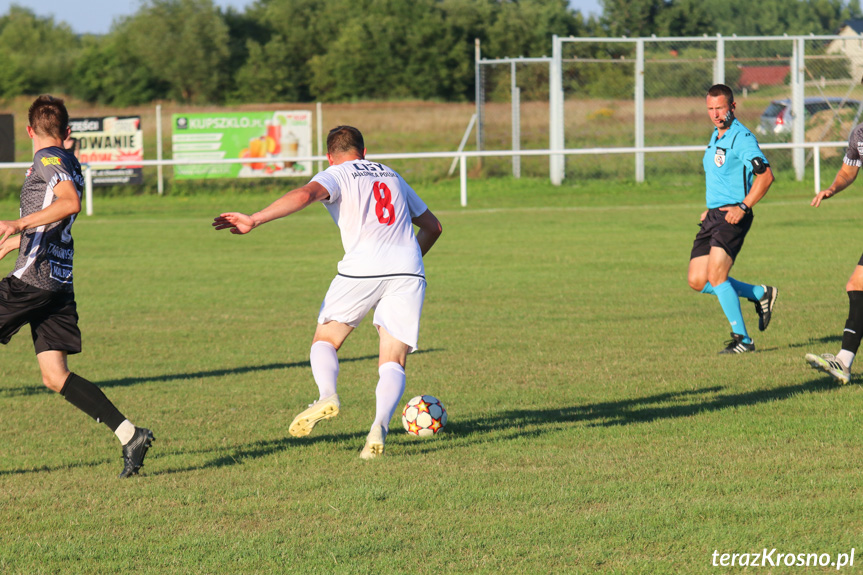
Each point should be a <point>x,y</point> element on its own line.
<point>9,245</point>
<point>67,203</point>
<point>292,202</point>
<point>429,230</point>
<point>844,178</point>
<point>235,221</point>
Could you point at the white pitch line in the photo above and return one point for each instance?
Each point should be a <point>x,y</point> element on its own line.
<point>802,203</point>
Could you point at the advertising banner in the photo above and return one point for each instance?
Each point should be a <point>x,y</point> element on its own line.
<point>7,138</point>
<point>110,139</point>
<point>268,139</point>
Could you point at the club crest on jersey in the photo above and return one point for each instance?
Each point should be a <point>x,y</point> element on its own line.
<point>719,157</point>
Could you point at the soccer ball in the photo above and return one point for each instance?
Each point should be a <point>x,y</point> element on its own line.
<point>424,416</point>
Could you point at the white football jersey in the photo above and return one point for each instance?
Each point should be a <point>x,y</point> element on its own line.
<point>373,207</point>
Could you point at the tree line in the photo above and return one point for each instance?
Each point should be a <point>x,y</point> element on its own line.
<point>192,51</point>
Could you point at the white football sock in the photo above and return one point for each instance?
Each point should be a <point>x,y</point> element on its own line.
<point>325,367</point>
<point>389,392</point>
<point>125,432</point>
<point>846,357</point>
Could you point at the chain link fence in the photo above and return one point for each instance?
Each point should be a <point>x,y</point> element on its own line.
<point>513,113</point>
<point>622,92</point>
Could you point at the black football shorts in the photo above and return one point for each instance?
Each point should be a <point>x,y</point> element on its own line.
<point>715,231</point>
<point>53,316</point>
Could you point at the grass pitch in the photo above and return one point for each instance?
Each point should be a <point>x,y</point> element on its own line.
<point>592,425</point>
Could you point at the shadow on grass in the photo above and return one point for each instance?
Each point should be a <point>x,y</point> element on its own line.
<point>827,339</point>
<point>514,424</point>
<point>234,371</point>
<point>63,467</point>
<point>506,425</point>
<point>227,456</point>
<point>238,454</point>
<point>25,390</point>
<point>127,381</point>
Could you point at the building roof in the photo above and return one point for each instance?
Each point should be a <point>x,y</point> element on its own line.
<point>855,24</point>
<point>763,75</point>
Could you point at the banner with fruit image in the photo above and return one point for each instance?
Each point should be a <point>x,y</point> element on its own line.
<point>269,140</point>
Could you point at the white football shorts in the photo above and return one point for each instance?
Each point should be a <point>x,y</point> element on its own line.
<point>398,304</point>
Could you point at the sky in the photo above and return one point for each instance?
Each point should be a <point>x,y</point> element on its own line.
<point>96,16</point>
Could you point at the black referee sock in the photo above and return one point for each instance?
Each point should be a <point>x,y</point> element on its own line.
<point>88,398</point>
<point>854,325</point>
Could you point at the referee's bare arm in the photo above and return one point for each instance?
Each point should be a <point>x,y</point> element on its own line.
<point>844,178</point>
<point>429,230</point>
<point>293,201</point>
<point>760,185</point>
<point>67,203</point>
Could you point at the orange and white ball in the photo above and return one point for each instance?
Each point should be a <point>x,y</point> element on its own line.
<point>424,416</point>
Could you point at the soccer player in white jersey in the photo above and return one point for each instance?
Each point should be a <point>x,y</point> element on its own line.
<point>382,269</point>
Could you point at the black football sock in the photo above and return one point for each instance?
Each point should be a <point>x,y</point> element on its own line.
<point>854,325</point>
<point>88,398</point>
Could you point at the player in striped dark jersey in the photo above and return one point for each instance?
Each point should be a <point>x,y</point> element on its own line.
<point>839,365</point>
<point>39,291</point>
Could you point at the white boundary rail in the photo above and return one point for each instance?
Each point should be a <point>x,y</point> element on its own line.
<point>461,157</point>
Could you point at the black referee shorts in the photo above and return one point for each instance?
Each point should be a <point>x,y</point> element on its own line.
<point>53,316</point>
<point>715,231</point>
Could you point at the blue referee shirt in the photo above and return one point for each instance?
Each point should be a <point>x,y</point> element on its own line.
<point>728,165</point>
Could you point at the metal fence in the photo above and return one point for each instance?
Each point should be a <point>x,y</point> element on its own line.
<point>459,157</point>
<point>649,92</point>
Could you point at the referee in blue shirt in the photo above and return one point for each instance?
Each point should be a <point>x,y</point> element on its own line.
<point>737,177</point>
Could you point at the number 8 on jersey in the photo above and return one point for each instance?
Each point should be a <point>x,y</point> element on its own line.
<point>383,203</point>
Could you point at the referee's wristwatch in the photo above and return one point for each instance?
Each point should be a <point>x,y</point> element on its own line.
<point>746,209</point>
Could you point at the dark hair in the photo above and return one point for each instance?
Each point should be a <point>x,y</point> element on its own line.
<point>721,90</point>
<point>344,139</point>
<point>48,117</point>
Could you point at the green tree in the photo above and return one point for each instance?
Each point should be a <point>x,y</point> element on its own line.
<point>390,49</point>
<point>35,53</point>
<point>270,74</point>
<point>632,18</point>
<point>108,71</point>
<point>184,45</point>
<point>287,35</point>
<point>635,18</point>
